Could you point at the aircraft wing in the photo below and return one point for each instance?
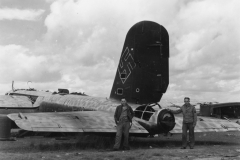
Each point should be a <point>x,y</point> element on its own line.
<point>14,101</point>
<point>87,121</point>
<point>205,124</point>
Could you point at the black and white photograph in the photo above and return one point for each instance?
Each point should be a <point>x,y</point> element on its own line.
<point>120,79</point>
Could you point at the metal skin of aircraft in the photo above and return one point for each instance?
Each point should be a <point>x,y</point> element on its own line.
<point>229,111</point>
<point>20,101</point>
<point>223,110</point>
<point>142,77</point>
<point>23,100</point>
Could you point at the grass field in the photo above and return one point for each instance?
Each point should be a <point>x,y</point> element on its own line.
<point>208,146</point>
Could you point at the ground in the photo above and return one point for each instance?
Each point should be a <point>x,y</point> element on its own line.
<point>208,146</point>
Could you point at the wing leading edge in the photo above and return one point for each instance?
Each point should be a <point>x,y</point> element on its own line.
<point>205,124</point>
<point>87,121</point>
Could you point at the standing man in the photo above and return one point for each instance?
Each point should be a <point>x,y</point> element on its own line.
<point>123,118</point>
<point>189,122</point>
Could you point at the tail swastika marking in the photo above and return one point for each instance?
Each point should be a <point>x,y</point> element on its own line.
<point>126,65</point>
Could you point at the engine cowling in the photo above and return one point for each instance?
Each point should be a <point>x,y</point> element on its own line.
<point>165,120</point>
<point>155,121</point>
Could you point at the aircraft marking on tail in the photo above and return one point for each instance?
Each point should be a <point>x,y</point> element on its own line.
<point>126,65</point>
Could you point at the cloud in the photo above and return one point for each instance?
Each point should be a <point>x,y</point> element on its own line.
<point>204,40</point>
<point>81,47</point>
<point>18,14</point>
<point>18,63</point>
<point>85,38</point>
<point>92,30</point>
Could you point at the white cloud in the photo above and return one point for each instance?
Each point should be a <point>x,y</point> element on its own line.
<point>17,63</point>
<point>205,38</point>
<point>14,13</point>
<point>86,38</point>
<point>83,42</point>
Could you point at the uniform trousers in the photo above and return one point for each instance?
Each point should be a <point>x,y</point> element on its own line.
<point>185,128</point>
<point>122,129</point>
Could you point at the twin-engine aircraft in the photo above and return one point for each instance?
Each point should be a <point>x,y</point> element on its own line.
<point>141,78</point>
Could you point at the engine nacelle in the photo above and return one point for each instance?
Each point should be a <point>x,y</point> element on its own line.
<point>155,121</point>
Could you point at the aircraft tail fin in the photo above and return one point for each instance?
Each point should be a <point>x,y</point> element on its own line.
<point>143,71</point>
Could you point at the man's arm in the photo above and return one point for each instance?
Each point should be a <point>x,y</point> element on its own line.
<point>132,114</point>
<point>131,111</point>
<point>115,116</point>
<point>176,111</point>
<point>194,117</point>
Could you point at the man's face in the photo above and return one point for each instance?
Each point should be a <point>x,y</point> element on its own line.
<point>123,101</point>
<point>186,101</point>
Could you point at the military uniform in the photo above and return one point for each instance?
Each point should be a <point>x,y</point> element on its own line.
<point>123,117</point>
<point>189,122</point>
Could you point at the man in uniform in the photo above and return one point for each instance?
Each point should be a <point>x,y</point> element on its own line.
<point>123,118</point>
<point>189,122</point>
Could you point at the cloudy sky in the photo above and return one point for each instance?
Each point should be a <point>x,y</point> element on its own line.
<point>76,44</point>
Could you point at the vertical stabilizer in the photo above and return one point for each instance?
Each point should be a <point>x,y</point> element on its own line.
<point>143,71</point>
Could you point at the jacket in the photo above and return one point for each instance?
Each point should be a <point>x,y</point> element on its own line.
<point>118,112</point>
<point>189,113</point>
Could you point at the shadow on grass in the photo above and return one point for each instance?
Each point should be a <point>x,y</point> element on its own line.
<point>86,142</point>
<point>161,143</point>
<point>106,143</point>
